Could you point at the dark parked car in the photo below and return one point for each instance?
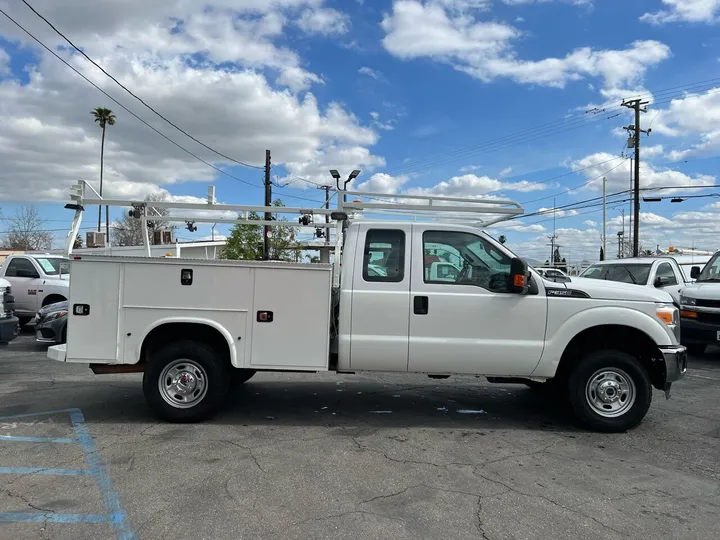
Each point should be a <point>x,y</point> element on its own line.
<point>51,323</point>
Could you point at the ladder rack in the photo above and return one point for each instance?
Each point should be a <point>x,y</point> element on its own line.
<point>478,212</point>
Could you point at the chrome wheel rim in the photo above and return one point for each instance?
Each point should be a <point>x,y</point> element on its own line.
<point>610,392</point>
<point>183,383</point>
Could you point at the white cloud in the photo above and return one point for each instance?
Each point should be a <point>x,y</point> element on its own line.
<point>484,50</point>
<point>373,74</point>
<point>4,62</point>
<point>595,166</point>
<point>378,123</point>
<point>471,185</point>
<point>693,117</point>
<point>652,151</point>
<point>212,74</point>
<point>590,223</point>
<point>470,168</point>
<point>505,172</point>
<point>383,183</point>
<point>325,21</point>
<point>692,11</point>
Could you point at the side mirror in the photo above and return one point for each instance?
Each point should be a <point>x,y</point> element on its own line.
<point>695,272</point>
<point>518,282</point>
<point>22,272</point>
<point>662,281</point>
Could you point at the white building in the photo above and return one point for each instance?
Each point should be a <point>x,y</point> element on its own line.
<point>187,250</point>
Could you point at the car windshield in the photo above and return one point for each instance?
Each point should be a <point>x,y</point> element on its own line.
<point>624,273</point>
<point>711,271</point>
<point>53,266</point>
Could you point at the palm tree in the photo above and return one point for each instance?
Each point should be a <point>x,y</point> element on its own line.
<point>103,117</point>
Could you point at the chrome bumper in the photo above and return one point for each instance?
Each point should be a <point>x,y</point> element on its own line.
<point>675,365</point>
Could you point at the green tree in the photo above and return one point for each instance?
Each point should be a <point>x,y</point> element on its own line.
<point>246,241</point>
<point>104,117</point>
<point>502,239</point>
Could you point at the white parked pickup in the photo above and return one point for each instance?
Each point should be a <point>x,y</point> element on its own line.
<point>189,324</point>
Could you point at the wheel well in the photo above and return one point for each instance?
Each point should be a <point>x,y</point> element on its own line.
<point>52,298</point>
<point>616,337</point>
<point>202,333</point>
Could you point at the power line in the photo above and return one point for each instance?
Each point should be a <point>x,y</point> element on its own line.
<point>123,106</point>
<point>181,130</point>
<point>544,130</point>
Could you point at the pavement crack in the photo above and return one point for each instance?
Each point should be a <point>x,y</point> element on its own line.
<point>543,497</point>
<point>249,450</point>
<point>389,495</point>
<point>480,524</point>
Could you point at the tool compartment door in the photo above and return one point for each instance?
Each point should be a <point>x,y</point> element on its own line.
<point>93,312</point>
<point>291,318</point>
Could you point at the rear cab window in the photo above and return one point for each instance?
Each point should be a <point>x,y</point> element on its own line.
<point>384,256</point>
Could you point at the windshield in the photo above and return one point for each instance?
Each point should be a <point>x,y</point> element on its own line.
<point>711,271</point>
<point>623,273</point>
<point>53,266</point>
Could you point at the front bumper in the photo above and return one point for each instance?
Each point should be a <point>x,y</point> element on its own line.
<point>701,331</point>
<point>9,329</point>
<point>50,331</point>
<point>675,366</point>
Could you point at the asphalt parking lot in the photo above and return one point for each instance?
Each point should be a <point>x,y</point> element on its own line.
<point>347,457</point>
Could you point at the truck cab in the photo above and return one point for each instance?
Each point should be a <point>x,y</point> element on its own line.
<point>36,281</point>
<point>653,272</point>
<point>700,307</point>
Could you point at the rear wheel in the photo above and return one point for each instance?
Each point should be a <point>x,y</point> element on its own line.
<point>610,391</point>
<point>185,381</point>
<point>696,349</point>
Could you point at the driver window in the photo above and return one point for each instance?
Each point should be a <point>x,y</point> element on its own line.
<point>666,271</point>
<point>460,258</point>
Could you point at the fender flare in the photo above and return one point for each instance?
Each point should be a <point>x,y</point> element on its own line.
<point>592,318</point>
<point>190,320</point>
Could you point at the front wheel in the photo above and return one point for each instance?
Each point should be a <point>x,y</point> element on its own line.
<point>185,381</point>
<point>610,391</point>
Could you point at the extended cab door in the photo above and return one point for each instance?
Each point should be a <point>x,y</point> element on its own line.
<point>25,281</point>
<point>464,321</point>
<point>381,299</point>
<point>667,279</point>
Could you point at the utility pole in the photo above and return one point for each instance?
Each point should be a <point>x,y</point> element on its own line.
<point>638,106</point>
<point>325,253</point>
<point>552,239</point>
<point>604,235</point>
<point>268,202</point>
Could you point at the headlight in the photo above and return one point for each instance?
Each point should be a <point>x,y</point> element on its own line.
<point>687,301</point>
<point>667,313</point>
<point>55,315</point>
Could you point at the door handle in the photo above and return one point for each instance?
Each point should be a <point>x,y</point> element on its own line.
<point>420,305</point>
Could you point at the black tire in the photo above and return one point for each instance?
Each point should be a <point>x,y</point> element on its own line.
<point>239,376</point>
<point>696,349</point>
<point>198,361</point>
<point>63,335</point>
<point>625,368</point>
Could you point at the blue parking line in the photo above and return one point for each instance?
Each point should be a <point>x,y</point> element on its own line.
<point>115,516</point>
<point>50,517</point>
<point>41,470</point>
<point>43,413</point>
<point>56,440</point>
<point>103,480</point>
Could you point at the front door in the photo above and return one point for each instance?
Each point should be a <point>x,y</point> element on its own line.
<point>25,282</point>
<point>461,319</point>
<point>381,299</point>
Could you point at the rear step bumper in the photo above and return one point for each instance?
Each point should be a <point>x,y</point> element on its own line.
<point>57,352</point>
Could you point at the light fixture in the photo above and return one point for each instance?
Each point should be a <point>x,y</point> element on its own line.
<point>677,199</point>
<point>335,174</point>
<point>652,199</point>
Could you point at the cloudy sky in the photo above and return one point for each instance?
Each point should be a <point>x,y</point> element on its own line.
<point>502,98</point>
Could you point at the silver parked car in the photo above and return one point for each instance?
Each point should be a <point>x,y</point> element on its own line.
<point>51,323</point>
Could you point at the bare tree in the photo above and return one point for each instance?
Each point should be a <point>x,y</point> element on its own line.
<point>26,231</point>
<point>128,231</point>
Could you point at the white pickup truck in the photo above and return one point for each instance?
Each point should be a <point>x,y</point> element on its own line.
<point>37,280</point>
<point>190,324</point>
